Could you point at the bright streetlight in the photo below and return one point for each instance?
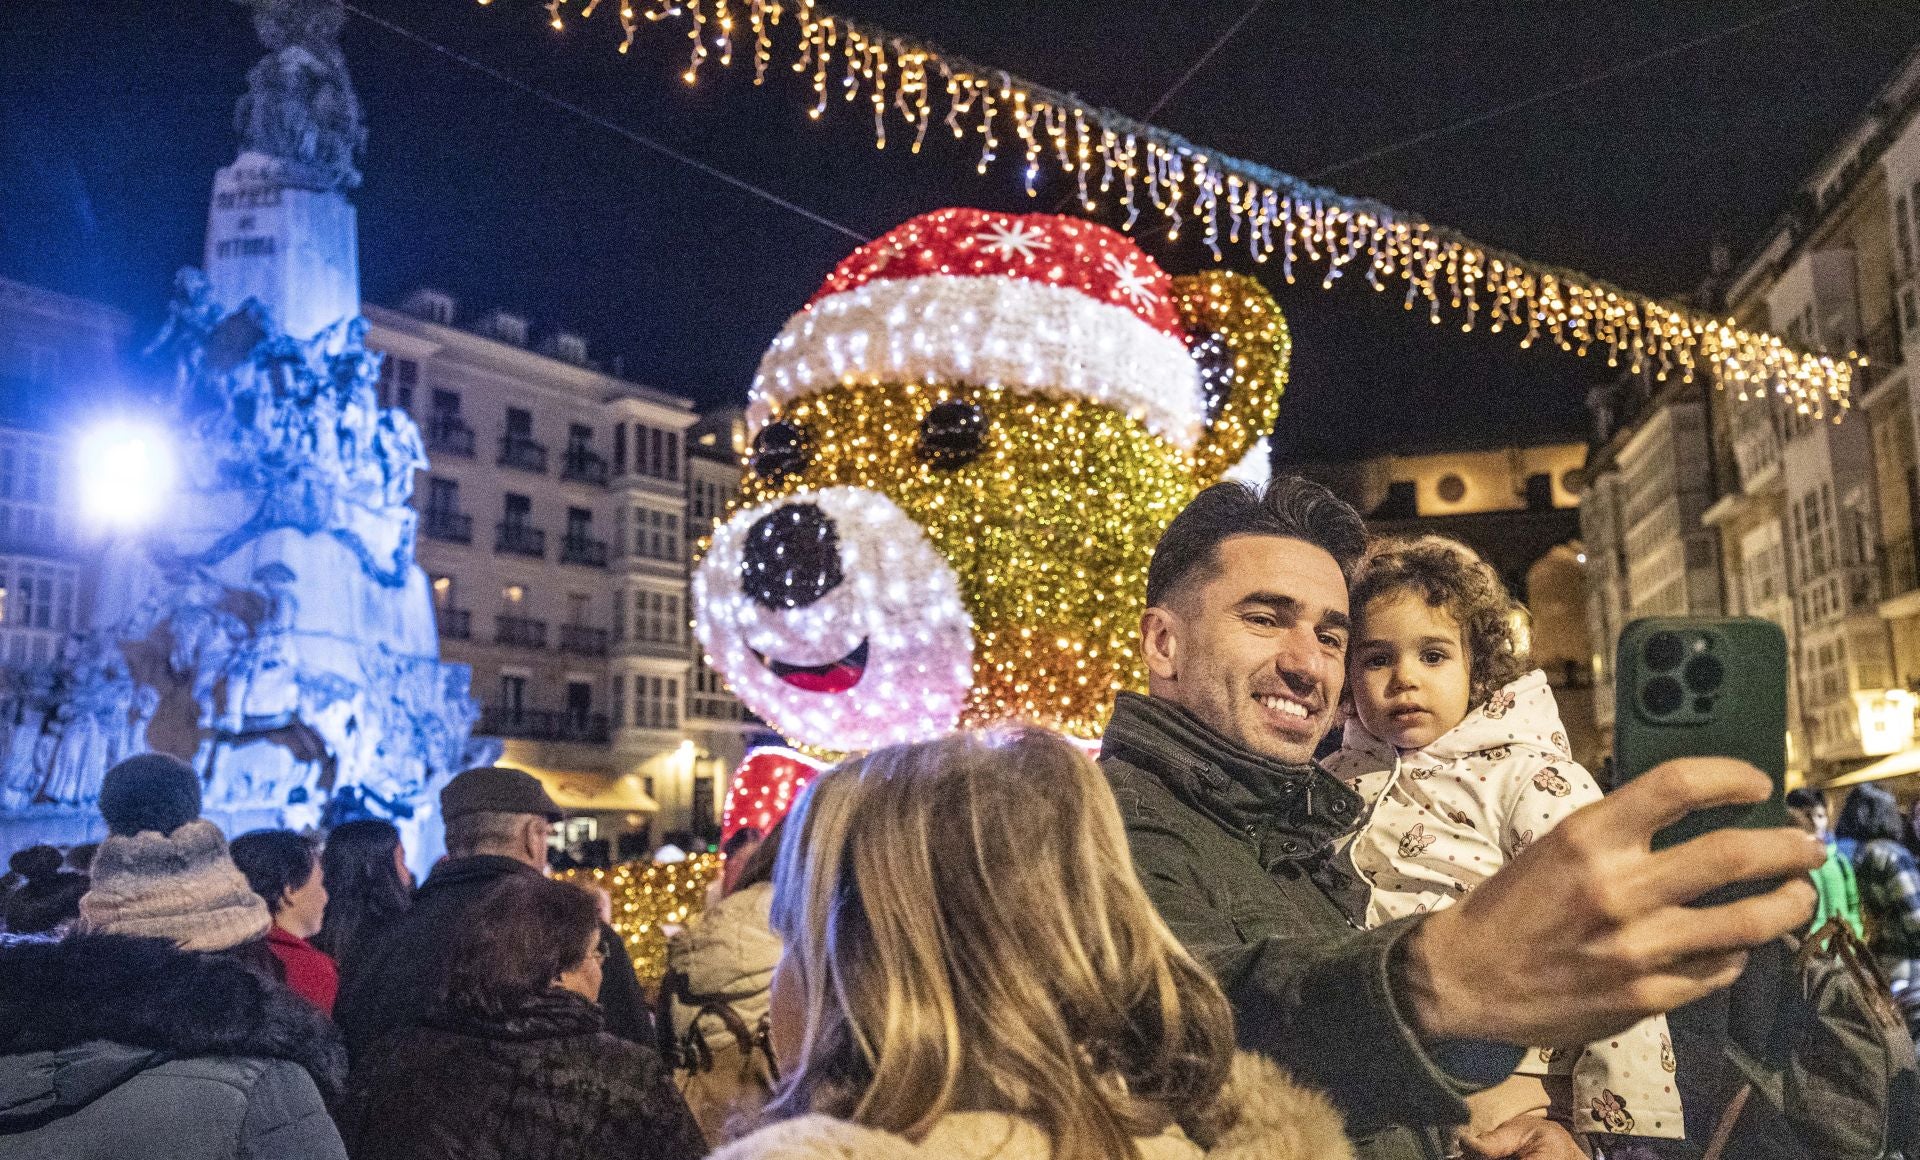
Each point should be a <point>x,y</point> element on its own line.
<point>125,469</point>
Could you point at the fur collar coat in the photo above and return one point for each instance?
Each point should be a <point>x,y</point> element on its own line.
<point>1263,1115</point>
<point>117,1046</point>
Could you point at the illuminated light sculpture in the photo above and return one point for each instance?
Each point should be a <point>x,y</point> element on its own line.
<point>764,788</point>
<point>964,450</point>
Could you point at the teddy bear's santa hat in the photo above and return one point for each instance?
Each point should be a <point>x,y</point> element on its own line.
<point>1031,302</point>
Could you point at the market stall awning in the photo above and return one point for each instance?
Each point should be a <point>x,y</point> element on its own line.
<point>601,793</point>
<point>1897,765</point>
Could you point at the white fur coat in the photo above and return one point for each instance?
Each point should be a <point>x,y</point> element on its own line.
<point>1266,1116</point>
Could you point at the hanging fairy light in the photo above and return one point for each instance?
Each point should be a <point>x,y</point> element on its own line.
<point>1134,166</point>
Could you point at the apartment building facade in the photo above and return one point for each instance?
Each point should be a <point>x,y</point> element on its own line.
<point>1808,521</point>
<point>554,525</point>
<point>54,349</point>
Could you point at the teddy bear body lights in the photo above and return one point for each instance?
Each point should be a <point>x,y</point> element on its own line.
<point>963,451</point>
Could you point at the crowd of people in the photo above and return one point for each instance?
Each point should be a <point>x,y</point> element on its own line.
<point>1220,939</point>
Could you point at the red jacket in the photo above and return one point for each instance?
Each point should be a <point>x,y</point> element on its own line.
<point>310,971</point>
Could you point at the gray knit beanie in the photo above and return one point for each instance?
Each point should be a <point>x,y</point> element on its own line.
<point>178,882</point>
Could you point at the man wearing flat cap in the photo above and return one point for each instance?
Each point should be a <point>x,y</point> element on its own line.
<point>497,821</point>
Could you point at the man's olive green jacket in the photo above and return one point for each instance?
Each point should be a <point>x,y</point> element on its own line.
<point>1226,843</point>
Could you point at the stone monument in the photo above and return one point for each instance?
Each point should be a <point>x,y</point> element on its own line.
<point>272,628</point>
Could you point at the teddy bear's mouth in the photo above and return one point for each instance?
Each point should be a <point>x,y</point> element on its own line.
<point>832,677</point>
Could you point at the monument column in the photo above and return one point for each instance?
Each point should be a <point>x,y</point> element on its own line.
<point>279,227</point>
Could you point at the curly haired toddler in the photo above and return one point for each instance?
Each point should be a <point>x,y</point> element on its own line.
<point>1457,746</point>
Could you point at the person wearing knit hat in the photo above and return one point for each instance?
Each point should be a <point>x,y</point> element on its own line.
<point>159,1025</point>
<point>163,871</point>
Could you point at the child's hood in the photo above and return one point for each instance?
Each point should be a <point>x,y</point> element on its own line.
<point>1520,715</point>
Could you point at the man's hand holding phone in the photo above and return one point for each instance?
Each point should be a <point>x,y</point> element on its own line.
<point>1589,931</point>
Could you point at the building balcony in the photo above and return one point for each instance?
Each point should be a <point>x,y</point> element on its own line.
<point>523,454</point>
<point>664,649</point>
<point>519,632</point>
<point>583,551</point>
<point>455,623</point>
<point>583,466</point>
<point>715,708</point>
<point>542,725</point>
<point>519,539</point>
<point>583,640</point>
<point>449,435</point>
<point>1897,572</point>
<point>451,526</point>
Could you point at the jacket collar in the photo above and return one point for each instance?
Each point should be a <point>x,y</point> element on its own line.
<point>473,868</point>
<point>149,995</point>
<point>1288,812</point>
<point>551,1014</point>
<point>1261,1112</point>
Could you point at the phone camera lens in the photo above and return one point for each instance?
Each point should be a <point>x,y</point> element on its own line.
<point>1704,674</point>
<point>1662,696</point>
<point>1665,652</point>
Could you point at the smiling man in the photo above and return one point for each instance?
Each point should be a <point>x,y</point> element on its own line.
<point>1232,826</point>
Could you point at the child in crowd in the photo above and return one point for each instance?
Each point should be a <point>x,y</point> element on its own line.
<point>1457,746</point>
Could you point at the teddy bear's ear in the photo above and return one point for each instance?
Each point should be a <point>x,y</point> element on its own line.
<point>1239,339</point>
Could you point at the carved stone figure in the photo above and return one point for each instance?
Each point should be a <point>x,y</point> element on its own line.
<point>400,452</point>
<point>262,677</point>
<point>299,107</point>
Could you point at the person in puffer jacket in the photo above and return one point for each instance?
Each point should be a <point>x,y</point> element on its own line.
<point>160,1027</point>
<point>1459,752</point>
<point>727,957</point>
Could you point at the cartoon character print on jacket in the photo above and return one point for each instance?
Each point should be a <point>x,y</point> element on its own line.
<point>1667,1060</point>
<point>1552,781</point>
<point>1611,1110</point>
<point>1416,842</point>
<point>1499,704</point>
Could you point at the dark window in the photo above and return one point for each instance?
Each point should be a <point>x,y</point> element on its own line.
<point>703,813</point>
<point>579,523</point>
<point>579,437</point>
<point>620,449</point>
<point>672,469</point>
<point>519,423</point>
<point>513,693</point>
<point>619,702</point>
<point>579,700</point>
<point>443,495</point>
<point>446,402</point>
<point>519,509</point>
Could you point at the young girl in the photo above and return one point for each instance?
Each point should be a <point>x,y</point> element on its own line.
<point>973,970</point>
<point>1460,753</point>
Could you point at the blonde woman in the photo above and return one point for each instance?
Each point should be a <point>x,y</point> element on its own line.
<point>972,970</point>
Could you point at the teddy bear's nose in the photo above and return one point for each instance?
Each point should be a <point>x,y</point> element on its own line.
<point>792,557</point>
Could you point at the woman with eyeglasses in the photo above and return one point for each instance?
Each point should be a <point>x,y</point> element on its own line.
<point>514,1063</point>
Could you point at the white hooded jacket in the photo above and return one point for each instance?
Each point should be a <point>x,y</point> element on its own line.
<point>1442,819</point>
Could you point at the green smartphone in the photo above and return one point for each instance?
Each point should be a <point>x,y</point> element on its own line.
<point>1703,687</point>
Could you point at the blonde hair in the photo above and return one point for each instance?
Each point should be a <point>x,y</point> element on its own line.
<point>970,936</point>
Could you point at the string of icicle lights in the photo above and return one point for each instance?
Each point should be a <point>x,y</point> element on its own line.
<point>1116,160</point>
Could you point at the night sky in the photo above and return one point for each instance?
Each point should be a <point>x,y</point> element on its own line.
<point>115,113</point>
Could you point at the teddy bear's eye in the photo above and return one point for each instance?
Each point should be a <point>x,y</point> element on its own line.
<point>781,448</point>
<point>952,434</point>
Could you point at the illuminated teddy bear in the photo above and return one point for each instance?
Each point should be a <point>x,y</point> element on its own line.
<point>963,451</point>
